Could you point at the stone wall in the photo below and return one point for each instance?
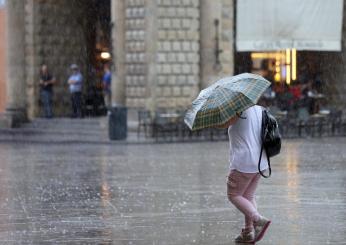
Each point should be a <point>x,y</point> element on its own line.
<point>217,32</point>
<point>227,37</point>
<point>177,52</point>
<point>55,34</point>
<point>135,53</point>
<point>162,53</point>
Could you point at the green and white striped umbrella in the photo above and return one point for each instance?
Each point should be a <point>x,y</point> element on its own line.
<point>221,101</point>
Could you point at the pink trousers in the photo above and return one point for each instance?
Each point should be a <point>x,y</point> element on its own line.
<point>241,189</point>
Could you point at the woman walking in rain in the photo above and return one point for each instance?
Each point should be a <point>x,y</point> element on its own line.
<point>245,146</point>
<point>220,105</point>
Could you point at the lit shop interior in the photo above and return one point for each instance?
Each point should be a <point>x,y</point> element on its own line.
<point>279,67</point>
<point>293,74</point>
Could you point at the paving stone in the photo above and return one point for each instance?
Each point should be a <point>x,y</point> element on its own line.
<point>56,189</point>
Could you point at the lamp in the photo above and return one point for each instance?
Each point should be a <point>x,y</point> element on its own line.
<point>105,55</point>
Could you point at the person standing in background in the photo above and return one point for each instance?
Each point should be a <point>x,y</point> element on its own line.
<point>106,82</point>
<point>75,82</point>
<point>47,81</point>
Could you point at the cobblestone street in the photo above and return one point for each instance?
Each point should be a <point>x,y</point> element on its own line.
<point>72,192</point>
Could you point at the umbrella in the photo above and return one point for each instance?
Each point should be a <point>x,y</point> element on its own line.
<point>224,99</point>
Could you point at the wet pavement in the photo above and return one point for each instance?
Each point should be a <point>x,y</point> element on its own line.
<point>90,193</point>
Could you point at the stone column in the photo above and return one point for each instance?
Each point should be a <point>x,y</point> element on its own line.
<point>209,12</point>
<point>227,38</point>
<point>151,52</point>
<point>118,50</point>
<point>2,60</point>
<point>15,70</point>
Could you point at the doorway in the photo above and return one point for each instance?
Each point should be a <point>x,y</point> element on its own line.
<point>98,36</point>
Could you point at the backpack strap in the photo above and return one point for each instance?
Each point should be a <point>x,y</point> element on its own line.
<point>259,165</point>
<point>264,132</point>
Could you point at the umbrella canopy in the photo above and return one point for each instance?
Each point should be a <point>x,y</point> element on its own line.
<point>221,101</point>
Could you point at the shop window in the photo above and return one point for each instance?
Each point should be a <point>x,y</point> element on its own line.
<point>278,66</point>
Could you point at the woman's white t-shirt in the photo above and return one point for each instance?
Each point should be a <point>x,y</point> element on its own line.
<point>245,142</point>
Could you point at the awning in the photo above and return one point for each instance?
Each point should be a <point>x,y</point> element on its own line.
<point>267,25</point>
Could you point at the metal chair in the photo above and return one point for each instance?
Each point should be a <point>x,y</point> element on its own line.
<point>183,129</point>
<point>144,121</point>
<point>332,122</point>
<point>163,126</point>
<point>336,121</point>
<point>303,120</point>
<point>315,125</point>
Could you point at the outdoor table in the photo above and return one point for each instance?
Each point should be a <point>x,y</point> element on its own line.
<point>324,112</point>
<point>171,117</point>
<point>318,115</point>
<point>318,96</point>
<point>281,113</point>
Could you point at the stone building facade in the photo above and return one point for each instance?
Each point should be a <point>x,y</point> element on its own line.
<point>160,54</point>
<point>165,56</point>
<point>164,51</point>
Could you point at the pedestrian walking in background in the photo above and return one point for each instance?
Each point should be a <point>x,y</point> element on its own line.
<point>106,83</point>
<point>245,146</point>
<point>75,82</point>
<point>47,82</point>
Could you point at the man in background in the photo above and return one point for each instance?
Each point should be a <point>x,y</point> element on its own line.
<point>47,81</point>
<point>75,82</point>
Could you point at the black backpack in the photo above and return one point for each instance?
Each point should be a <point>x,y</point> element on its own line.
<point>271,139</point>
